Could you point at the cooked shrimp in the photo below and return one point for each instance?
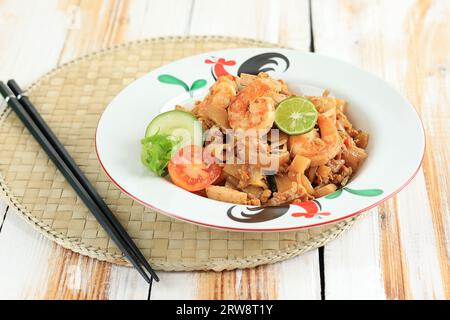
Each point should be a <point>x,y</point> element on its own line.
<point>251,109</point>
<point>324,104</point>
<point>318,150</point>
<point>220,94</point>
<point>275,85</point>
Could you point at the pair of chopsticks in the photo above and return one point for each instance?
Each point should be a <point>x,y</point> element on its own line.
<point>27,113</point>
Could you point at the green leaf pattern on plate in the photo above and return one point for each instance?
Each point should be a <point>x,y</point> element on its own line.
<point>335,194</point>
<point>197,84</point>
<point>360,192</point>
<point>365,192</point>
<point>169,79</point>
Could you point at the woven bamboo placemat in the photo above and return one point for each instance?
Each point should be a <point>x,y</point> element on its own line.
<point>71,99</point>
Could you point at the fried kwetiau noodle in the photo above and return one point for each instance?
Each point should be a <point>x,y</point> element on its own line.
<point>310,165</point>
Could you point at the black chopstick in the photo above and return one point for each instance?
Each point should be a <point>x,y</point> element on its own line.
<point>32,111</point>
<point>51,151</point>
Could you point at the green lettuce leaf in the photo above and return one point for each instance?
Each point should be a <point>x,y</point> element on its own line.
<point>157,151</point>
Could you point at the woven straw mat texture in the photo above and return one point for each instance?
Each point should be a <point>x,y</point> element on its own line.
<point>71,99</point>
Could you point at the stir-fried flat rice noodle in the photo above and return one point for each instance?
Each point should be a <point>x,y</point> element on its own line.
<point>309,165</point>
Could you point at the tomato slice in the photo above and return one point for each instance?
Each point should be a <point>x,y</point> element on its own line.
<point>188,169</point>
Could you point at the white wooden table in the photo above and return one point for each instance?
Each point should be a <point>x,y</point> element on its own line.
<point>400,251</point>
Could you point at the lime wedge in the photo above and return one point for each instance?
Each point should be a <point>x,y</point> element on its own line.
<point>296,115</point>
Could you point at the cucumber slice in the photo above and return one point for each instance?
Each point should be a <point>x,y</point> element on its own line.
<point>177,124</point>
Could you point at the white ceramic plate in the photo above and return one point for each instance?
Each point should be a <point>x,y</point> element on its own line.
<point>395,150</point>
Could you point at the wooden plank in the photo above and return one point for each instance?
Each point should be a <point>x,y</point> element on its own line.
<point>400,41</point>
<point>352,263</point>
<point>126,283</point>
<point>222,18</point>
<point>102,24</point>
<point>175,286</point>
<point>158,18</point>
<point>426,85</point>
<point>299,277</point>
<point>296,278</point>
<point>23,259</point>
<point>294,25</point>
<point>393,260</point>
<point>73,276</point>
<point>33,267</point>
<point>42,26</point>
<point>107,23</point>
<point>420,244</point>
<point>285,22</point>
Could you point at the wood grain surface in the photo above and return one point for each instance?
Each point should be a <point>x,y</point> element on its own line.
<point>399,251</point>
